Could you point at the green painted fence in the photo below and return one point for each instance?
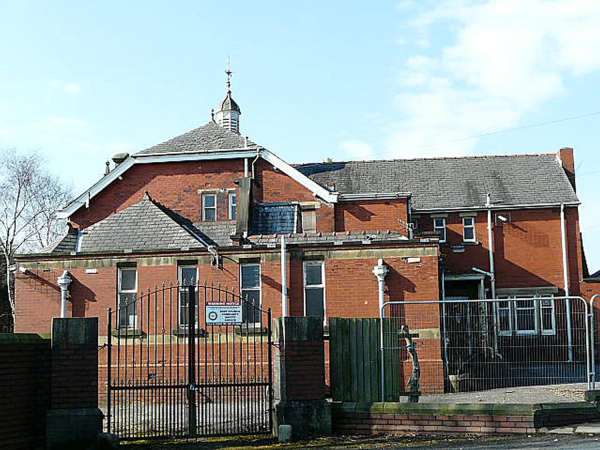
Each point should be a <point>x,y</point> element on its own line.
<point>355,360</point>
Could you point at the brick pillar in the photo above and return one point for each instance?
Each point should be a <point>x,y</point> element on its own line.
<point>74,420</point>
<point>300,376</point>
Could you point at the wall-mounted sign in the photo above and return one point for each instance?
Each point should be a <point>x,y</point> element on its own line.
<point>223,314</point>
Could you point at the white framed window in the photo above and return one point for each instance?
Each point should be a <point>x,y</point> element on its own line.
<point>187,277</point>
<point>250,290</point>
<point>127,286</point>
<point>439,225</point>
<point>314,289</point>
<point>526,315</point>
<point>209,207</point>
<point>469,229</point>
<point>232,206</point>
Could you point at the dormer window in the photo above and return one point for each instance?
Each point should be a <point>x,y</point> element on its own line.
<point>209,207</point>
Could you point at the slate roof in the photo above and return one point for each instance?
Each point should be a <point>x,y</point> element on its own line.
<point>442,183</point>
<point>210,137</point>
<point>65,244</point>
<point>216,233</point>
<point>146,225</point>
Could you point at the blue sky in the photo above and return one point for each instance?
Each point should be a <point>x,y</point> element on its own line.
<point>81,81</point>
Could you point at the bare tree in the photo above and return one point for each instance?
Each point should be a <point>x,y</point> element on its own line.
<point>29,198</point>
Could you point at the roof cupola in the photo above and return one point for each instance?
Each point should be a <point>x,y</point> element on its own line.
<point>228,114</point>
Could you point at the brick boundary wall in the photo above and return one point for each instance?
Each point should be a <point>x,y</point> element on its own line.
<point>48,386</point>
<point>299,377</point>
<point>24,390</point>
<point>390,418</point>
<point>74,375</point>
<point>305,371</point>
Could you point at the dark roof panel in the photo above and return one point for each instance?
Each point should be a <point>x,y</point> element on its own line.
<point>275,218</point>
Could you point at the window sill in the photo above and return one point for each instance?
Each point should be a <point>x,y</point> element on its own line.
<point>251,330</point>
<point>128,333</point>
<point>461,243</point>
<point>182,332</point>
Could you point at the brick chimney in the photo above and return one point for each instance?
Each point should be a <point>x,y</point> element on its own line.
<point>244,210</point>
<point>567,159</point>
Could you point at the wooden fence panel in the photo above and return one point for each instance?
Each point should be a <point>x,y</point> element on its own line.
<point>355,361</point>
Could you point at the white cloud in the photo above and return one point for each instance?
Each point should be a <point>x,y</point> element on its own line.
<point>355,149</point>
<point>62,125</point>
<point>72,88</point>
<point>502,60</point>
<point>67,88</point>
<point>406,4</point>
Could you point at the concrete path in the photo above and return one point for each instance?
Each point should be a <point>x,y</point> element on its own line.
<point>584,428</point>
<point>557,393</point>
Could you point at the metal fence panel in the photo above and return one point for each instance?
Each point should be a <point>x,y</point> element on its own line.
<point>477,345</point>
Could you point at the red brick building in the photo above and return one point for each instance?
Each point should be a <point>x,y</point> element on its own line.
<point>211,205</point>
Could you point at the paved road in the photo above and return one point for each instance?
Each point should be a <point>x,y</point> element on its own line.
<point>416,442</point>
<point>512,443</point>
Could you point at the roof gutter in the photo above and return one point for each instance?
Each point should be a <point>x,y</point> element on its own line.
<point>373,196</point>
<point>496,207</point>
<point>181,156</point>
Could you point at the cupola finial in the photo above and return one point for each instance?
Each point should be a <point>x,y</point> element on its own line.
<point>228,72</point>
<point>228,114</point>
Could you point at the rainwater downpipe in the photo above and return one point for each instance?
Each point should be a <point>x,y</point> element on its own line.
<point>491,246</point>
<point>563,235</point>
<point>284,293</point>
<point>380,271</point>
<point>254,161</point>
<point>64,281</point>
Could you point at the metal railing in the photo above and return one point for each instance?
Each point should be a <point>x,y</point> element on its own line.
<point>592,374</point>
<point>188,361</point>
<point>478,345</point>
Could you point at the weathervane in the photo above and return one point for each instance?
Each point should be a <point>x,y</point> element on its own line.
<point>229,73</point>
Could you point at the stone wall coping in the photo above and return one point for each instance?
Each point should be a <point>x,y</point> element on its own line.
<point>75,331</point>
<point>299,329</point>
<point>454,409</point>
<point>23,338</point>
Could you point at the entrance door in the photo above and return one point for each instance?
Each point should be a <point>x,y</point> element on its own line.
<point>458,339</point>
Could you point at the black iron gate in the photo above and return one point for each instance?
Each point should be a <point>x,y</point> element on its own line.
<point>166,378</point>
